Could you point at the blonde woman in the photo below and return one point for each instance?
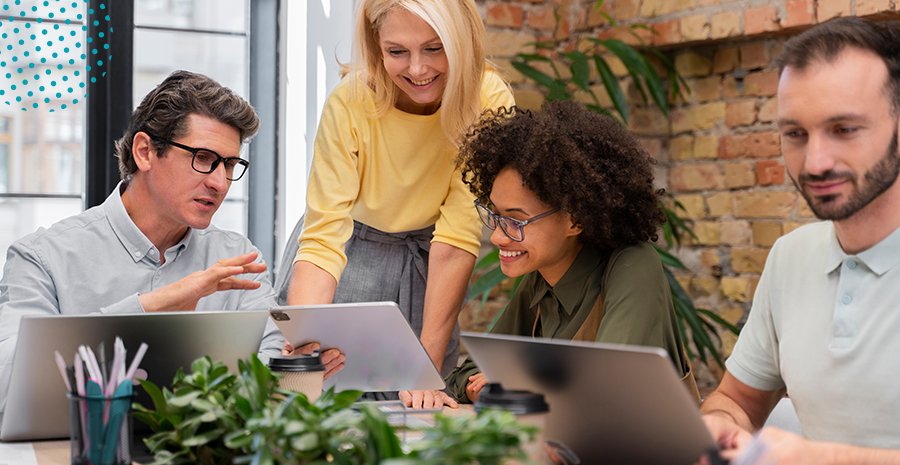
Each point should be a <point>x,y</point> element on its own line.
<point>388,217</point>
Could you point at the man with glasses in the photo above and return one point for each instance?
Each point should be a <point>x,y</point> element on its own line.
<point>150,246</point>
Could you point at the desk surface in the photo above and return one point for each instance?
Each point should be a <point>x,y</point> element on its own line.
<point>58,452</point>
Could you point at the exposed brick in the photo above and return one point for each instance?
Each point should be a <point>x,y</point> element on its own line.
<point>709,259</point>
<point>770,172</point>
<point>765,233</point>
<point>754,281</point>
<point>693,206</point>
<point>507,72</point>
<point>727,24</point>
<point>730,87</point>
<point>504,15</point>
<point>738,175</point>
<point>735,232</point>
<point>761,19</point>
<point>799,13</point>
<point>698,117</point>
<point>732,313</point>
<point>528,99</point>
<point>708,89</point>
<point>667,32</point>
<point>599,91</point>
<point>627,9</point>
<point>755,55</point>
<point>870,7</point>
<point>652,8</point>
<point>735,289</point>
<point>704,286</point>
<point>627,35</point>
<point>706,147</point>
<point>720,204</point>
<point>708,2</point>
<point>764,204</point>
<point>753,145</point>
<point>761,83</point>
<point>652,146</point>
<point>790,226</point>
<point>768,112</point>
<point>827,9</point>
<point>726,60</point>
<point>681,148</point>
<point>803,210</point>
<point>682,5</point>
<point>691,64</point>
<point>508,43</point>
<point>740,113</point>
<point>696,178</point>
<point>594,16</point>
<point>694,27</point>
<point>684,281</point>
<point>648,121</point>
<point>748,261</point>
<point>707,233</point>
<point>542,18</point>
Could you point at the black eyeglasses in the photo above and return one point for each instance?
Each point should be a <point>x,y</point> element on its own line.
<point>206,161</point>
<point>513,228</point>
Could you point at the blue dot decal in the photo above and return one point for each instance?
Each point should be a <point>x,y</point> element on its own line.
<point>31,49</point>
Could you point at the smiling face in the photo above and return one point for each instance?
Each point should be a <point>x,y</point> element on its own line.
<point>414,58</point>
<point>182,197</point>
<point>550,245</point>
<point>839,135</point>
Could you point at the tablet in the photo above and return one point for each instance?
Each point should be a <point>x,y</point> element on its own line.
<point>382,352</point>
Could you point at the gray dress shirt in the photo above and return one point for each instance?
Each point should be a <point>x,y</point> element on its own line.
<point>99,261</point>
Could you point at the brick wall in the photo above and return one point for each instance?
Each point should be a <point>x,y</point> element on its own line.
<point>719,151</point>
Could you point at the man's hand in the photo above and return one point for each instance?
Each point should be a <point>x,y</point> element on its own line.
<point>427,399</point>
<point>730,437</point>
<point>332,358</point>
<point>783,447</point>
<point>477,382</point>
<point>184,294</point>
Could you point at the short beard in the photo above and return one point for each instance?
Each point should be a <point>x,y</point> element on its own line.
<point>878,179</point>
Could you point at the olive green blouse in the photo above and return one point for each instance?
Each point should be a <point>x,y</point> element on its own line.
<point>637,306</point>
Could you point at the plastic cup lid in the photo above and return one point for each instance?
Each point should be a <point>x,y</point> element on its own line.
<point>518,402</point>
<point>296,363</point>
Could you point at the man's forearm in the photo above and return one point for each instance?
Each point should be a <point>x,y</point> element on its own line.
<point>720,404</point>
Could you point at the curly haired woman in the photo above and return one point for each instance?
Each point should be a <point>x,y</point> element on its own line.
<point>569,195</point>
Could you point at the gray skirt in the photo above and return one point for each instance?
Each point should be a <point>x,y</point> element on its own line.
<point>380,267</point>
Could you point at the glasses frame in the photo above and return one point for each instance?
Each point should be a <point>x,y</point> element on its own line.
<point>215,164</point>
<point>520,224</point>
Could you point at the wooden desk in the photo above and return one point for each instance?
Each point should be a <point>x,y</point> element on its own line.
<point>59,453</point>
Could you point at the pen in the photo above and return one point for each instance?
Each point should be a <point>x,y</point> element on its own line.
<point>79,375</point>
<point>137,360</point>
<point>62,369</point>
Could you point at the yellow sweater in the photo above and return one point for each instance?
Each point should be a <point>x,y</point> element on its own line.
<point>393,173</point>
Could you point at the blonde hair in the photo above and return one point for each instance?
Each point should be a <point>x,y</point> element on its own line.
<point>455,22</point>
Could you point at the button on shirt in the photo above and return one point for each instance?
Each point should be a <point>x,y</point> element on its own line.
<point>824,324</point>
<point>99,262</point>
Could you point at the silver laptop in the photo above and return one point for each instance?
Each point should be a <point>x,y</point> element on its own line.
<point>37,407</point>
<point>383,353</point>
<point>608,403</point>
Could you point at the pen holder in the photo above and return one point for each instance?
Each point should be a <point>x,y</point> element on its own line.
<point>100,430</point>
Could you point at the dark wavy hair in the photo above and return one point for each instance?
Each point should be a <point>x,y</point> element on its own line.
<point>571,158</point>
<point>164,113</point>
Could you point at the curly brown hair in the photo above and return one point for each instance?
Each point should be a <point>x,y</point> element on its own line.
<point>582,162</point>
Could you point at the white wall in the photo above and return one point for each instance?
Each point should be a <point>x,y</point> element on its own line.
<point>318,34</point>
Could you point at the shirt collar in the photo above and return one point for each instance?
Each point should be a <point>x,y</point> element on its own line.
<point>569,288</point>
<point>133,239</point>
<point>879,258</point>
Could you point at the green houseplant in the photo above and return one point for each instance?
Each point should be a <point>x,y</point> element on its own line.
<point>212,416</point>
<point>697,325</point>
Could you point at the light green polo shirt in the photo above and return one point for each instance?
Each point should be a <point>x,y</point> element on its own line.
<point>827,326</point>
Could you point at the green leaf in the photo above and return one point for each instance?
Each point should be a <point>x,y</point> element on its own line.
<point>487,282</point>
<point>490,259</point>
<point>184,399</point>
<point>721,321</point>
<point>205,438</point>
<point>612,87</point>
<point>581,74</point>
<point>159,402</point>
<point>532,73</point>
<point>305,442</point>
<point>346,398</point>
<point>668,259</point>
<point>532,57</point>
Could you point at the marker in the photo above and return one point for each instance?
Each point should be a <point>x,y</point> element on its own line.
<point>137,360</point>
<point>62,369</point>
<point>79,375</point>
